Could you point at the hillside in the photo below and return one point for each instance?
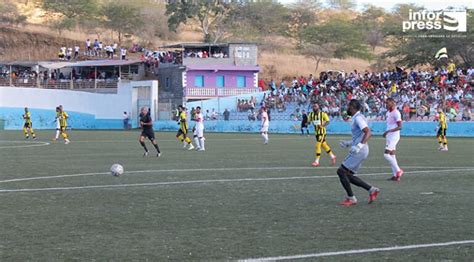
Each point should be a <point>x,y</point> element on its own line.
<point>36,40</point>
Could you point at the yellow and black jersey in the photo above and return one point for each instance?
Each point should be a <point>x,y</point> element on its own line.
<point>442,121</point>
<point>319,121</point>
<point>63,116</point>
<point>27,118</point>
<point>183,125</point>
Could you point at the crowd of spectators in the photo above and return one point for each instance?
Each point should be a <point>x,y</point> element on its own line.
<point>417,92</point>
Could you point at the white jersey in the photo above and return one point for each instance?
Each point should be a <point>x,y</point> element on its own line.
<point>199,127</point>
<point>199,118</point>
<point>392,138</point>
<point>393,117</point>
<point>265,123</point>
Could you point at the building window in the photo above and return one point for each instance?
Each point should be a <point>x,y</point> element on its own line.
<point>167,82</point>
<point>220,81</point>
<point>199,81</point>
<point>241,81</point>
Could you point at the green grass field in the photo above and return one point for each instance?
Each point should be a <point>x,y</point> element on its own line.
<point>238,200</point>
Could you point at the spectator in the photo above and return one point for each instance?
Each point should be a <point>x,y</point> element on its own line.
<point>252,116</point>
<point>466,113</point>
<point>214,115</point>
<point>226,115</point>
<point>125,120</point>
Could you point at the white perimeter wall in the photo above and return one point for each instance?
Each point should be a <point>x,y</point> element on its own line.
<point>103,106</point>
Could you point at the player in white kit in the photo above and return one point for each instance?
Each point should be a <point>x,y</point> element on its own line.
<point>264,124</point>
<point>199,130</point>
<point>58,126</point>
<point>392,136</point>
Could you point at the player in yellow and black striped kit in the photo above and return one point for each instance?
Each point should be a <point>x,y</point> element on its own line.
<point>63,117</point>
<point>28,126</point>
<point>320,120</point>
<point>442,127</point>
<point>183,129</point>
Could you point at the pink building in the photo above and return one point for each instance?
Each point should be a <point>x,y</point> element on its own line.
<point>204,71</point>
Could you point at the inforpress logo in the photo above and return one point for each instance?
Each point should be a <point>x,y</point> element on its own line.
<point>449,20</point>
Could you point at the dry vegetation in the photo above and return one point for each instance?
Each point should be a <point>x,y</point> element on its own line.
<point>37,41</point>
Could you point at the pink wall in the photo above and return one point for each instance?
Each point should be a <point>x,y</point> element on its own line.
<point>229,76</point>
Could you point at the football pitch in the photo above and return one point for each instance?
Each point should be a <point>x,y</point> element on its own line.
<point>237,200</point>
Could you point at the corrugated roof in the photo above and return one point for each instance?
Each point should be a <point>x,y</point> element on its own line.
<point>62,64</point>
<point>201,45</point>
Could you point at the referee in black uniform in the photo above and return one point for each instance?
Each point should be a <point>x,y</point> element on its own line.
<point>147,131</point>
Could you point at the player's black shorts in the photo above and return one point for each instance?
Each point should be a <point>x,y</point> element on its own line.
<point>441,131</point>
<point>149,133</point>
<point>304,124</point>
<point>321,138</point>
<point>182,132</point>
<point>28,125</point>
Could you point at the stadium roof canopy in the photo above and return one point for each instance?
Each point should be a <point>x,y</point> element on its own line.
<point>205,45</point>
<point>63,64</point>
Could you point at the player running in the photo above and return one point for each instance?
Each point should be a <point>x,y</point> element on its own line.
<point>392,136</point>
<point>28,126</point>
<point>357,154</point>
<point>442,127</point>
<point>183,129</point>
<point>146,123</point>
<point>199,130</point>
<point>63,117</point>
<point>265,123</point>
<point>320,120</point>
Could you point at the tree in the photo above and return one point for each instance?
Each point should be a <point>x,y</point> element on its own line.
<point>371,22</point>
<point>9,14</point>
<point>72,9</point>
<point>266,17</point>
<point>63,24</point>
<point>341,4</point>
<point>122,18</point>
<point>310,5</point>
<point>337,38</point>
<point>209,14</point>
<point>300,19</point>
<point>409,49</point>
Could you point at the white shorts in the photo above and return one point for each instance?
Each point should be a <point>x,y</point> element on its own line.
<point>354,161</point>
<point>391,142</point>
<point>57,125</point>
<point>264,128</point>
<point>199,131</point>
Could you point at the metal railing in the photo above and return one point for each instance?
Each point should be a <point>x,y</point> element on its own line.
<point>60,83</point>
<point>207,92</point>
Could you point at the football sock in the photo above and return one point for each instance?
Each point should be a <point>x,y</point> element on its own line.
<point>196,141</point>
<point>32,132</point>
<point>188,140</point>
<point>345,181</point>
<point>144,146</point>
<point>156,147</point>
<point>392,160</point>
<point>359,182</point>
<point>57,133</point>
<point>201,141</point>
<point>318,150</point>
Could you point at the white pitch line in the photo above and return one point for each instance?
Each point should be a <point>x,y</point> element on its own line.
<point>209,181</point>
<point>359,251</point>
<point>211,169</point>
<point>32,144</point>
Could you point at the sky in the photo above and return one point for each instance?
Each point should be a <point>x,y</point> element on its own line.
<point>428,4</point>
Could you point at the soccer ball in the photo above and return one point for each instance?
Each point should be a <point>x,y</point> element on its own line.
<point>116,170</point>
